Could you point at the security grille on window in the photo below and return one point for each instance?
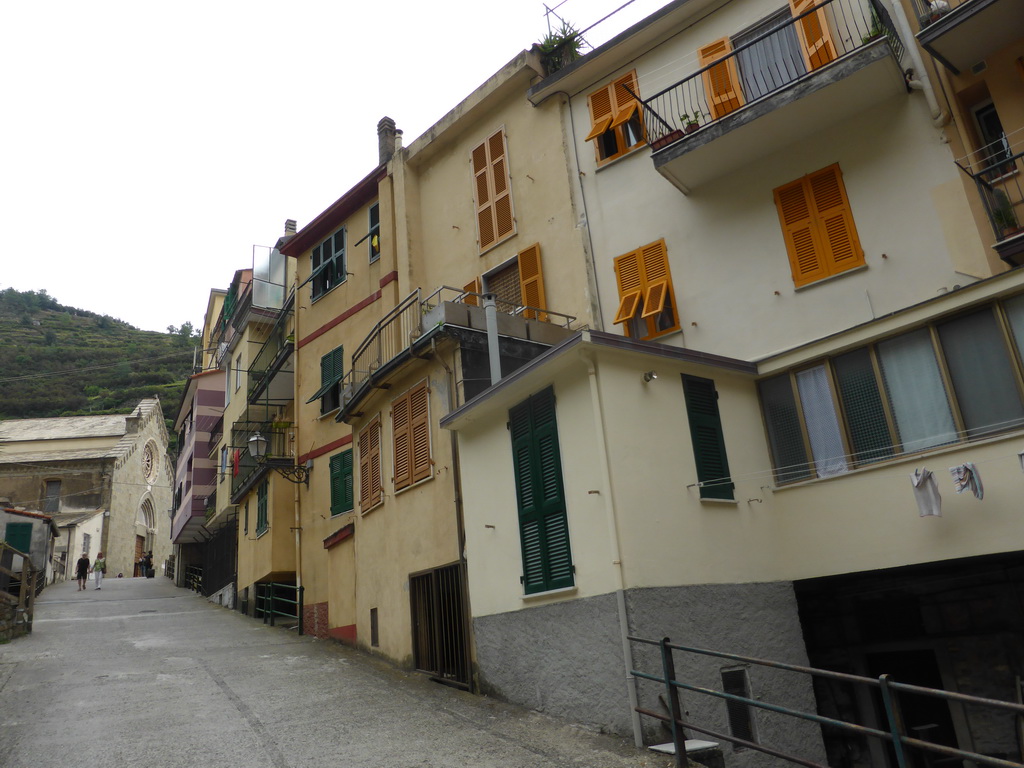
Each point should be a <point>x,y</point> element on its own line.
<point>327,261</point>
<point>262,508</point>
<point>736,682</point>
<point>517,283</point>
<point>960,379</point>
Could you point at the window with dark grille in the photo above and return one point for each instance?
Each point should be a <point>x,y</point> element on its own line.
<point>948,382</point>
<point>374,629</point>
<point>374,232</point>
<point>736,682</point>
<point>504,284</point>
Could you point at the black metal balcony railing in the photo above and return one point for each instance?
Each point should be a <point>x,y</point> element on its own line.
<point>243,467</point>
<point>996,170</point>
<point>271,357</point>
<point>411,319</point>
<point>930,12</point>
<point>765,64</point>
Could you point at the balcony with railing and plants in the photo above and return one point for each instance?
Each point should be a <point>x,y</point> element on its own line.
<point>996,171</point>
<point>245,470</point>
<point>271,374</point>
<point>416,321</point>
<point>759,91</point>
<point>962,33</point>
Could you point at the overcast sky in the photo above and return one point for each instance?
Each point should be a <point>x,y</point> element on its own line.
<point>147,147</point>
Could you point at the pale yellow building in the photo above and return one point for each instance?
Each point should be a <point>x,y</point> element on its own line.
<point>800,310</point>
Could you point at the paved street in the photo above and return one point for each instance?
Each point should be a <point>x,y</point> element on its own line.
<point>141,673</point>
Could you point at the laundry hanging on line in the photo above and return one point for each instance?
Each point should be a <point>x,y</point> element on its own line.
<point>966,478</point>
<point>926,493</point>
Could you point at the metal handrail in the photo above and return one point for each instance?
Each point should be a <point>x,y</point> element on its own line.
<point>684,106</point>
<point>888,688</point>
<point>996,172</point>
<point>270,604</point>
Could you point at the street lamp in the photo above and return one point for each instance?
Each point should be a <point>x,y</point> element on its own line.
<point>258,450</point>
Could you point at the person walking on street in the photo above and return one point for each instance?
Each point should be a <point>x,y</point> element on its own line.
<point>149,563</point>
<point>82,571</point>
<point>98,569</point>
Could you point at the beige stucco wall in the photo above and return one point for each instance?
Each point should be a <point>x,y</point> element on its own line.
<point>864,520</point>
<point>731,273</point>
<point>341,317</point>
<point>438,177</point>
<point>273,551</point>
<point>410,531</point>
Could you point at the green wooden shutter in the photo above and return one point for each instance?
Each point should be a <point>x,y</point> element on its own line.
<point>543,525</point>
<point>341,483</point>
<point>19,536</point>
<point>708,440</point>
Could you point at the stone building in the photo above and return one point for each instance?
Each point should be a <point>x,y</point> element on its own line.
<point>113,464</point>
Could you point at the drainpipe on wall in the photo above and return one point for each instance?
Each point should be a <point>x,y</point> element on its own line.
<point>613,535</point>
<point>294,447</point>
<point>491,321</point>
<point>922,82</point>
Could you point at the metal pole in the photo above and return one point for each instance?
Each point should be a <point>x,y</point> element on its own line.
<point>892,714</point>
<point>669,668</point>
<point>491,321</point>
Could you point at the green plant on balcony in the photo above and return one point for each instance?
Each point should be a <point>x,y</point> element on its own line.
<point>560,47</point>
<point>690,122</point>
<point>1003,216</point>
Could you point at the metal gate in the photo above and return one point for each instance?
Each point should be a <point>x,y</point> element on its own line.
<point>439,634</point>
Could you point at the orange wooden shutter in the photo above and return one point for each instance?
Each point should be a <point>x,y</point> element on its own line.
<point>836,230</point>
<point>654,261</point>
<point>369,465</point>
<point>419,432</point>
<point>630,282</point>
<point>800,233</point>
<point>602,110</point>
<point>504,223</point>
<point>531,281</point>
<point>722,81</point>
<point>814,34</point>
<point>482,186</point>
<point>472,287</point>
<point>400,430</point>
<point>622,97</point>
<point>364,471</point>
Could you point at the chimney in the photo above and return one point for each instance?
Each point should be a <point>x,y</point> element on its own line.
<point>290,227</point>
<point>386,139</point>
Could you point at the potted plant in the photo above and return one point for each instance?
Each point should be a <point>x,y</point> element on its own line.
<point>1004,218</point>
<point>560,47</point>
<point>690,122</point>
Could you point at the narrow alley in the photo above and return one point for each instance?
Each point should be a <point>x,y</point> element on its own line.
<point>141,673</point>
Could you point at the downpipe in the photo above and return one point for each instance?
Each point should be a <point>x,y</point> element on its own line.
<point>940,117</point>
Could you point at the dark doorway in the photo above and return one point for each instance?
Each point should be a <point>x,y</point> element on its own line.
<point>439,634</point>
<point>925,717</point>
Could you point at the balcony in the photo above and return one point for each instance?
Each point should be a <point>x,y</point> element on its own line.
<point>996,172</point>
<point>408,330</point>
<point>272,373</point>
<point>245,471</point>
<point>962,33</point>
<point>794,78</point>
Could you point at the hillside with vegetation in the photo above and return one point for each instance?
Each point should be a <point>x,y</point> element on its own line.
<point>61,361</point>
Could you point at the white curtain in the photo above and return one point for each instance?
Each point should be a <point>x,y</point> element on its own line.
<point>826,438</point>
<point>916,393</point>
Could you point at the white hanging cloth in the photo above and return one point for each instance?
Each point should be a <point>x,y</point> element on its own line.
<point>926,493</point>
